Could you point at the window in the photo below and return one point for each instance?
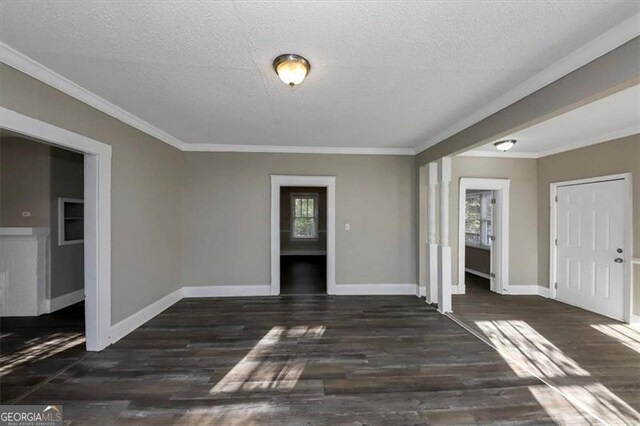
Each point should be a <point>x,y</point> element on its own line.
<point>478,218</point>
<point>304,216</point>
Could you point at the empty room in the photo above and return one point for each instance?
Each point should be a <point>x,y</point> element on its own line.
<point>321,213</point>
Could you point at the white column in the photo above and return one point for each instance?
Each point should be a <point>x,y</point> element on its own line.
<point>444,250</point>
<point>422,232</point>
<point>432,242</point>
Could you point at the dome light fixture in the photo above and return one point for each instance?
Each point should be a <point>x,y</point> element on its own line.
<point>505,145</point>
<point>291,68</point>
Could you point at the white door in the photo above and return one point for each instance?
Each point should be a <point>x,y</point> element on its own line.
<point>590,242</point>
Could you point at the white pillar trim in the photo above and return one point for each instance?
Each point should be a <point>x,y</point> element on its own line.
<point>444,250</point>
<point>432,242</point>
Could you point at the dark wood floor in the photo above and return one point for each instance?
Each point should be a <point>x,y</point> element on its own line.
<point>593,360</point>
<point>32,349</point>
<point>303,274</point>
<point>316,360</point>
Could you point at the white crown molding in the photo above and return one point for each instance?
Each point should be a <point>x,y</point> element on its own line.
<point>197,147</point>
<point>498,154</point>
<point>25,64</point>
<point>615,37</point>
<point>606,137</point>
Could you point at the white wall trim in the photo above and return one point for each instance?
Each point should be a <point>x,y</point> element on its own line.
<point>226,291</point>
<point>199,147</point>
<point>628,231</point>
<point>582,143</point>
<point>421,291</point>
<point>65,300</point>
<point>129,324</point>
<point>29,66</point>
<point>477,273</point>
<point>25,64</point>
<point>455,289</point>
<point>303,252</point>
<point>500,252</point>
<point>528,290</point>
<point>374,289</point>
<point>97,214</point>
<point>615,37</point>
<point>635,320</point>
<point>329,182</point>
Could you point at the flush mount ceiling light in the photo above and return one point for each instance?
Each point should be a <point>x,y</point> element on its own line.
<point>291,68</point>
<point>505,145</point>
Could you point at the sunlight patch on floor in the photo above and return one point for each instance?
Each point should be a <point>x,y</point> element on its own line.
<point>529,353</point>
<point>622,333</point>
<point>255,372</point>
<point>529,350</point>
<point>38,349</point>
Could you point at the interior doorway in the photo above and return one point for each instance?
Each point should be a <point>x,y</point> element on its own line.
<point>483,235</point>
<point>96,217</point>
<point>303,240</point>
<point>301,184</point>
<point>42,288</point>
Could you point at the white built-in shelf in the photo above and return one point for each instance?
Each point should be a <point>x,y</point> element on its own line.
<point>70,221</point>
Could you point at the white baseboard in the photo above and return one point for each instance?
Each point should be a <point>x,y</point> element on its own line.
<point>374,289</point>
<point>127,325</point>
<point>65,300</point>
<point>303,252</point>
<point>456,289</point>
<point>478,273</point>
<point>527,290</point>
<point>226,291</point>
<point>635,320</point>
<point>421,291</point>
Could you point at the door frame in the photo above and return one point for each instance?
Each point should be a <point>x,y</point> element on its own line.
<point>329,182</point>
<point>97,215</point>
<point>626,178</point>
<point>501,243</point>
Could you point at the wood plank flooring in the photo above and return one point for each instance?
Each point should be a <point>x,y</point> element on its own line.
<point>592,359</point>
<point>303,274</point>
<point>314,360</point>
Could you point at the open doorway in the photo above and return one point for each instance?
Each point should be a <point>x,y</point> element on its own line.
<point>483,236</point>
<point>42,310</point>
<point>303,240</point>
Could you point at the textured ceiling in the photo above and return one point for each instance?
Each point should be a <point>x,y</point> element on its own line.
<point>604,119</point>
<point>384,74</point>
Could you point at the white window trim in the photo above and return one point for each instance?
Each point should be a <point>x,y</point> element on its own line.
<point>628,244</point>
<point>277,182</point>
<point>62,223</point>
<point>292,235</point>
<point>97,226</point>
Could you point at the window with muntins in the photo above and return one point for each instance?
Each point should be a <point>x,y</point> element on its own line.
<point>479,218</point>
<point>304,216</point>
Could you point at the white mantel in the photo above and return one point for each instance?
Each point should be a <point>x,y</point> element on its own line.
<point>24,271</point>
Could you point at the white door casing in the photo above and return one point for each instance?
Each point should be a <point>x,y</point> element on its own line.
<point>591,246</point>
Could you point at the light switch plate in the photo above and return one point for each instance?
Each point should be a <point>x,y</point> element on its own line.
<point>347,227</point>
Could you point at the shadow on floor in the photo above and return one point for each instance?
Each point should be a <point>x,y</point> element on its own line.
<point>592,359</point>
<point>32,349</point>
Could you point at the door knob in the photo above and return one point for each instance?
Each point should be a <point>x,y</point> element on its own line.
<point>618,260</point>
<point>619,250</point>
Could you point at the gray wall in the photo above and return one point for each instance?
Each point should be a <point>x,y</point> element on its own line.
<point>292,245</point>
<point>146,207</point>
<point>25,179</point>
<point>227,207</point>
<point>67,262</point>
<point>523,209</point>
<point>619,156</point>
